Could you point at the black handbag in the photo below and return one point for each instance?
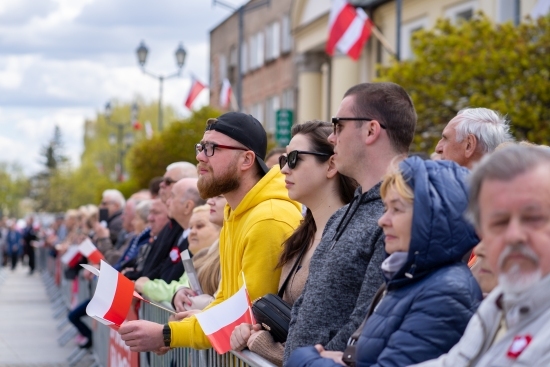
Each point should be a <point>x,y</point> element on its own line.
<point>272,312</point>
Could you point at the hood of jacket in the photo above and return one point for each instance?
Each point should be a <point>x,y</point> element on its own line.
<point>271,186</point>
<point>441,234</point>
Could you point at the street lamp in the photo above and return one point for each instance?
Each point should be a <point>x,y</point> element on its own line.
<point>142,52</point>
<point>124,141</point>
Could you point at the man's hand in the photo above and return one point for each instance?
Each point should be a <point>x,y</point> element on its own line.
<point>162,351</point>
<point>334,355</point>
<point>183,315</point>
<point>182,297</point>
<point>241,334</point>
<point>142,335</point>
<point>140,283</point>
<point>100,231</point>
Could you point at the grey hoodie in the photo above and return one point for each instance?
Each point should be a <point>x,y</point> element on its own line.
<point>344,275</point>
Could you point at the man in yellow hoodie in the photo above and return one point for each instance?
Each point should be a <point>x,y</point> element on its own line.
<point>258,217</point>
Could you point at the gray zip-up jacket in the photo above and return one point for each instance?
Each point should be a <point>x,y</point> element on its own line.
<point>344,275</point>
<point>526,342</point>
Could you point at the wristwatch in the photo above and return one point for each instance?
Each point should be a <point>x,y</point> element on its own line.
<point>167,335</point>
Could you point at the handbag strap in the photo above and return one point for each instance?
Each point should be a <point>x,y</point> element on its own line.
<point>375,300</point>
<point>282,290</point>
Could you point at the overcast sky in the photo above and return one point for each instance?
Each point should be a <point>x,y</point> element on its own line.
<point>62,60</point>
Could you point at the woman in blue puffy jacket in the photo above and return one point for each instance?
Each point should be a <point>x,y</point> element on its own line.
<point>429,294</point>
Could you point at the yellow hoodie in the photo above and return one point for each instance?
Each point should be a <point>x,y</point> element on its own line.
<point>250,243</point>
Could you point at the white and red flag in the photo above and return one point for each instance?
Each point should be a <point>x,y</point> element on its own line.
<point>112,298</point>
<point>72,256</point>
<point>219,321</point>
<point>196,88</point>
<point>349,29</point>
<point>225,93</point>
<point>88,249</point>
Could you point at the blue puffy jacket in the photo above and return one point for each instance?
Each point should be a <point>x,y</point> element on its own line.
<point>424,313</point>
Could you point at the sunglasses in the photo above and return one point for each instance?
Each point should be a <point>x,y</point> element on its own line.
<point>292,158</point>
<point>337,126</point>
<point>168,181</point>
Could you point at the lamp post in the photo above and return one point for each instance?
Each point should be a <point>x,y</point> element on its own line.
<point>121,139</point>
<point>142,52</point>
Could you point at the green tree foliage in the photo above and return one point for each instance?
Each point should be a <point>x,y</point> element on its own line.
<point>478,64</point>
<point>149,158</point>
<point>14,187</point>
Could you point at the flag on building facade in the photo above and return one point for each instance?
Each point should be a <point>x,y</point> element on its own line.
<point>194,91</point>
<point>349,29</point>
<point>112,298</point>
<point>225,93</point>
<point>88,249</point>
<point>219,321</point>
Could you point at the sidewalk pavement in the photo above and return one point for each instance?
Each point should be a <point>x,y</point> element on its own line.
<point>28,332</point>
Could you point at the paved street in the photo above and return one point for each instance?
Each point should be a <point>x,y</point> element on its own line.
<point>28,330</point>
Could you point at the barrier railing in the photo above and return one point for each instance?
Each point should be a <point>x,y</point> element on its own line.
<point>107,347</point>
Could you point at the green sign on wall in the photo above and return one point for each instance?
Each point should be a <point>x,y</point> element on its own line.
<point>284,120</point>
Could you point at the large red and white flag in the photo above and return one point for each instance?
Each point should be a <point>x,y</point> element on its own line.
<point>112,298</point>
<point>225,93</point>
<point>219,321</point>
<point>88,249</point>
<point>349,29</point>
<point>196,88</point>
<point>72,256</point>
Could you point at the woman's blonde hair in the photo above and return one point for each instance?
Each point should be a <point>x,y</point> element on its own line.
<point>394,179</point>
<point>207,264</point>
<point>201,208</point>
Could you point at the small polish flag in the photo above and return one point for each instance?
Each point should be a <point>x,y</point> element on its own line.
<point>225,93</point>
<point>349,29</point>
<point>88,249</point>
<point>71,257</point>
<point>196,88</point>
<point>112,298</point>
<point>219,321</point>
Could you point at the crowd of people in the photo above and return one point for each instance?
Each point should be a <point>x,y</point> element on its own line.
<point>385,258</point>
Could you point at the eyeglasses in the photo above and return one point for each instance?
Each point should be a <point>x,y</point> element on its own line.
<point>209,148</point>
<point>292,158</point>
<point>337,125</point>
<point>168,181</point>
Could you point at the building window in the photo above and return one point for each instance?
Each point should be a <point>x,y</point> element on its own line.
<point>272,41</point>
<point>222,63</point>
<point>463,11</point>
<point>271,107</point>
<point>257,110</point>
<point>244,59</point>
<point>286,37</point>
<point>257,52</point>
<point>506,10</point>
<point>288,99</point>
<point>407,31</point>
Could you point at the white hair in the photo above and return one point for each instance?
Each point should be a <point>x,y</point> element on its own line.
<point>185,169</point>
<point>116,196</point>
<point>488,126</point>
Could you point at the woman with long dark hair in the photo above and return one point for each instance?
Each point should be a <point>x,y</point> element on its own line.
<point>311,179</point>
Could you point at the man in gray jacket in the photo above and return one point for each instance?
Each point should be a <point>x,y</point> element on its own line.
<point>374,126</point>
<point>510,207</point>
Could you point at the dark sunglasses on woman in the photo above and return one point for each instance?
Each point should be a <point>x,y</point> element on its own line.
<point>292,158</point>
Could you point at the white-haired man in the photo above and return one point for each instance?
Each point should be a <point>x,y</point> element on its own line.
<point>114,202</point>
<point>510,207</point>
<point>471,134</point>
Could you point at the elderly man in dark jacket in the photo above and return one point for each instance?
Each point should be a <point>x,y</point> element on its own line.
<point>429,294</point>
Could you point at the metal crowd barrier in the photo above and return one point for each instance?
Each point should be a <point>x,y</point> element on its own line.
<point>65,294</point>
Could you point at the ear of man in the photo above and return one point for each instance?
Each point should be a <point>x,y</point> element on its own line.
<point>471,145</point>
<point>372,131</point>
<point>331,169</point>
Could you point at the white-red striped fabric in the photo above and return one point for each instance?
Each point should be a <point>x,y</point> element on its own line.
<point>349,29</point>
<point>72,256</point>
<point>88,249</point>
<point>225,93</point>
<point>194,91</point>
<point>112,298</point>
<point>219,321</point>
